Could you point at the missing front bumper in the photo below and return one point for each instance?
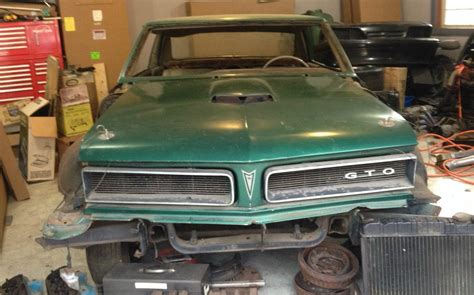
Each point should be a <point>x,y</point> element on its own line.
<point>193,241</point>
<point>250,241</point>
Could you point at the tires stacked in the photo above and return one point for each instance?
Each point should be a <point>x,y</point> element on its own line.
<point>327,269</point>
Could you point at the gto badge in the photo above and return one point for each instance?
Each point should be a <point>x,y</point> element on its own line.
<point>249,179</point>
<point>368,173</point>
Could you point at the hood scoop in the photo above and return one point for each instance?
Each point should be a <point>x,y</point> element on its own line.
<point>242,98</point>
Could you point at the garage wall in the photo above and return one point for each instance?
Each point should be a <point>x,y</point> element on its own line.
<point>141,11</point>
<point>416,10</point>
<point>420,10</point>
<point>332,7</point>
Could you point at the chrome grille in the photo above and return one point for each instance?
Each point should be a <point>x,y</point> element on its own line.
<point>158,186</point>
<point>337,178</point>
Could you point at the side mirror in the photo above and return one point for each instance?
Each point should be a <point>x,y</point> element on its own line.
<point>449,44</point>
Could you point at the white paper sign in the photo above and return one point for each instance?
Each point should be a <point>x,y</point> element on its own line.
<point>99,35</point>
<point>97,15</point>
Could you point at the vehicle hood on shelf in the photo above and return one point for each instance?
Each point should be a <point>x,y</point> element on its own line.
<point>177,121</point>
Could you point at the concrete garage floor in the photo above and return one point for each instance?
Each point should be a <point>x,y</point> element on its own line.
<point>21,254</point>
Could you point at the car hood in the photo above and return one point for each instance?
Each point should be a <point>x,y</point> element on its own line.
<point>176,121</point>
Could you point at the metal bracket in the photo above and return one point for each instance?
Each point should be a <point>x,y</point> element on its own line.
<point>248,242</point>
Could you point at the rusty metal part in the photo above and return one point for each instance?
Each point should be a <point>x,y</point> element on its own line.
<point>261,240</point>
<point>250,276</point>
<point>238,284</point>
<point>328,265</point>
<point>303,287</point>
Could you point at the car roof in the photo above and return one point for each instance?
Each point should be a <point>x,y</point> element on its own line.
<point>235,19</point>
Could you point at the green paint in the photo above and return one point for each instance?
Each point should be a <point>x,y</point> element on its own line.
<point>95,55</point>
<point>316,115</point>
<point>239,216</point>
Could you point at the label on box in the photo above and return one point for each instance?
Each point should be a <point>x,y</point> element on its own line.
<point>147,285</point>
<point>97,15</point>
<point>95,55</point>
<point>9,113</point>
<point>99,34</point>
<point>69,24</point>
<point>74,95</point>
<point>75,119</point>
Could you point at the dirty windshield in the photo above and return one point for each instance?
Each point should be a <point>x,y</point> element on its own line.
<point>180,52</point>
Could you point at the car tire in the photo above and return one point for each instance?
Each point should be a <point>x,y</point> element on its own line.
<point>420,167</point>
<point>102,258</point>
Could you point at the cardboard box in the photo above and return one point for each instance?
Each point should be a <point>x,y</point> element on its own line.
<point>203,7</point>
<point>229,42</point>
<point>360,11</point>
<point>29,9</point>
<point>75,111</point>
<point>9,165</point>
<point>38,134</point>
<point>396,79</point>
<point>70,80</point>
<point>96,32</point>
<point>10,112</point>
<point>75,119</point>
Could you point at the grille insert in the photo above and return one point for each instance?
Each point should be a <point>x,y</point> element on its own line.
<point>339,178</point>
<point>153,186</point>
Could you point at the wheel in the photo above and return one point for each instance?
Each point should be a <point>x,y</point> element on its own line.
<point>102,258</point>
<point>328,266</point>
<point>69,177</point>
<point>420,167</point>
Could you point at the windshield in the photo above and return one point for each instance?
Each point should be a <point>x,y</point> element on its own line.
<point>224,44</point>
<point>191,51</point>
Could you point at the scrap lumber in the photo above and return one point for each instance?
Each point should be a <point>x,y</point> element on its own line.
<point>10,168</point>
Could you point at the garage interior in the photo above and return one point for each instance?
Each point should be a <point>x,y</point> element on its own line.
<point>59,66</point>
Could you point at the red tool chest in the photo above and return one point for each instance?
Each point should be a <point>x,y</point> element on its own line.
<point>24,48</point>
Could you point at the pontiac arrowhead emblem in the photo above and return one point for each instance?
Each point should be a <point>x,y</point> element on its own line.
<point>249,179</point>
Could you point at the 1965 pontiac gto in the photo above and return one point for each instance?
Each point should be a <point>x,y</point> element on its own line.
<point>225,134</point>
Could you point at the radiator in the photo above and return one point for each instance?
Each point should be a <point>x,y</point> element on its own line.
<point>404,255</point>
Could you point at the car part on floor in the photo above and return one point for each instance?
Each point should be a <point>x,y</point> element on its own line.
<point>18,285</point>
<point>143,278</point>
<point>247,282</point>
<point>462,162</point>
<point>328,265</point>
<point>67,281</point>
<point>56,285</point>
<point>444,146</point>
<point>423,255</point>
<point>223,266</point>
<point>303,287</point>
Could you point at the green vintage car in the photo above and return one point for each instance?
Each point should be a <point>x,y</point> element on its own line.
<point>224,134</point>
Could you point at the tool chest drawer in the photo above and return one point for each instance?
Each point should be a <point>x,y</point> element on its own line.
<point>24,49</point>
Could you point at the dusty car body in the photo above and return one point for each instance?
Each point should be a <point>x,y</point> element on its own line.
<point>233,152</point>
